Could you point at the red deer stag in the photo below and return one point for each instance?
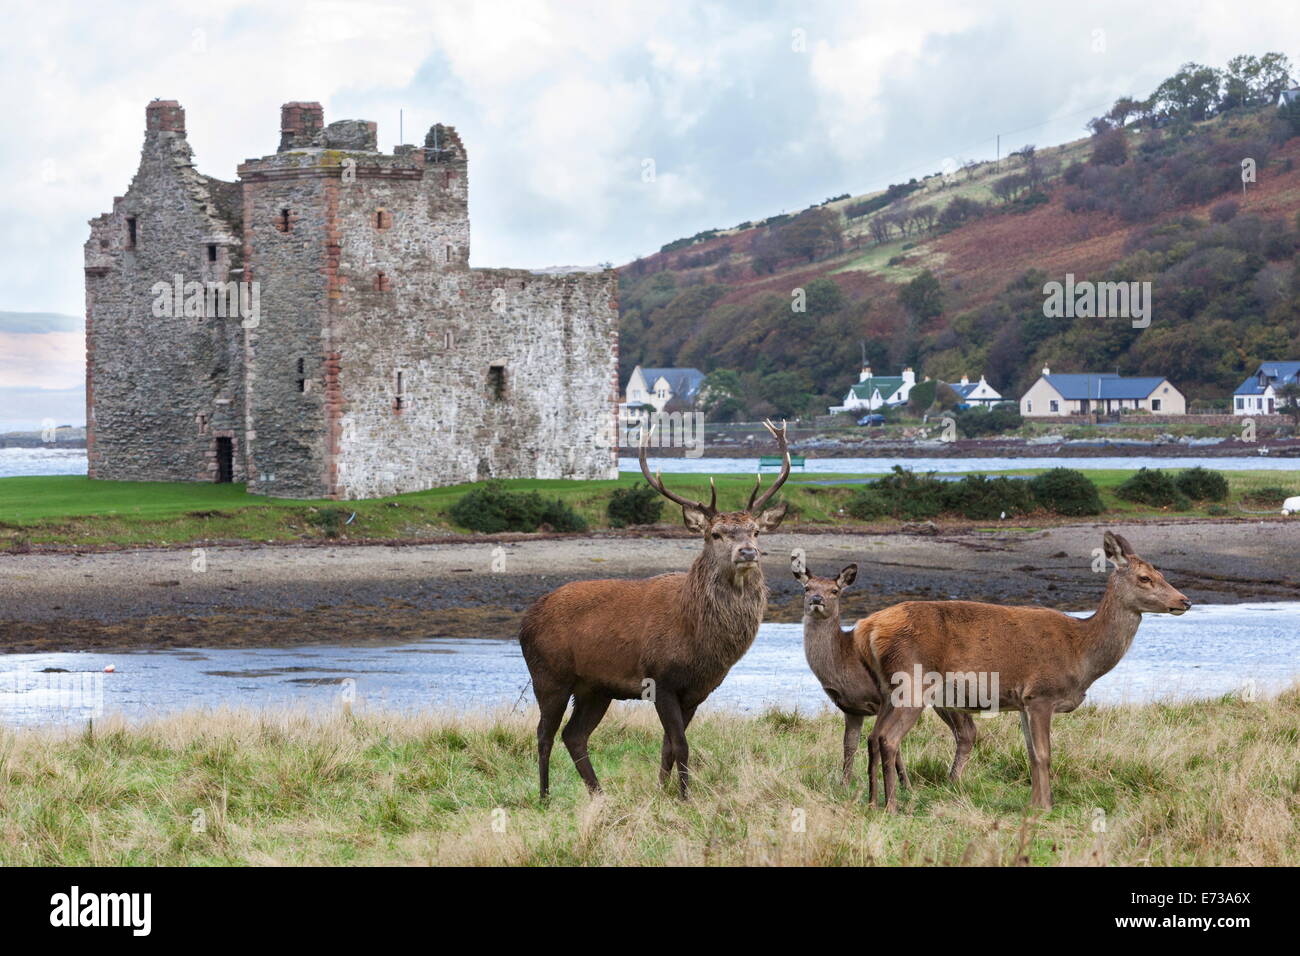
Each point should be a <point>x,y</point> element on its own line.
<point>670,638</point>
<point>1043,661</point>
<point>847,681</point>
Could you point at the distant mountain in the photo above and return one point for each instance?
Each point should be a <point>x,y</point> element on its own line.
<point>37,322</point>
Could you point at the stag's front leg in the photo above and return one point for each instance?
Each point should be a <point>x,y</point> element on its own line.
<point>674,720</point>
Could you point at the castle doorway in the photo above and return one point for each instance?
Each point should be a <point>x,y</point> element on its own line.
<point>225,460</point>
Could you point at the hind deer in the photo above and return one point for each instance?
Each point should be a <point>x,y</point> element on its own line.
<point>847,681</point>
<point>672,637</point>
<point>1044,661</point>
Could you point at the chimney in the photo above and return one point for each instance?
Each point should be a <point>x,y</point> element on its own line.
<point>865,373</point>
<point>164,116</point>
<point>909,377</point>
<point>299,124</point>
<point>1046,370</point>
<point>965,380</point>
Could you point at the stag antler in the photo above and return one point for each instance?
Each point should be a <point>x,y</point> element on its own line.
<point>784,449</point>
<point>657,483</point>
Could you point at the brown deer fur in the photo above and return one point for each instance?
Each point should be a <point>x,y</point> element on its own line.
<point>671,638</point>
<point>845,678</point>
<point>1045,661</point>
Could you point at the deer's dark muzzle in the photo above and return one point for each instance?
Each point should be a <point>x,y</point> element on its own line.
<point>747,555</point>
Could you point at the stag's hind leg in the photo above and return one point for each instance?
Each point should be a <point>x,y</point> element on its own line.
<point>587,713</point>
<point>964,733</point>
<point>552,703</point>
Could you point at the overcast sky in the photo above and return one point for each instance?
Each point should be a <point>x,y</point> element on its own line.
<point>745,108</point>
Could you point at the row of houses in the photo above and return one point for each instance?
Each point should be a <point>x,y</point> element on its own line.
<point>1053,394</point>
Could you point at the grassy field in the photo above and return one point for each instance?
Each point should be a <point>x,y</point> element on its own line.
<point>1211,783</point>
<point>70,510</point>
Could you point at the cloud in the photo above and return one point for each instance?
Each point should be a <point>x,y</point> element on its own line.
<point>559,102</point>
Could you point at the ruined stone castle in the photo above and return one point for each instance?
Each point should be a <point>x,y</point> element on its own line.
<point>315,330</point>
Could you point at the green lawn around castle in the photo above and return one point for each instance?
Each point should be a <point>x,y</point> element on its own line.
<point>71,510</point>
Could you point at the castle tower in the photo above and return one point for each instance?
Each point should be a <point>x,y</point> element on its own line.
<point>164,359</point>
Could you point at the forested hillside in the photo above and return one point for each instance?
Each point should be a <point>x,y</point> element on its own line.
<point>946,273</point>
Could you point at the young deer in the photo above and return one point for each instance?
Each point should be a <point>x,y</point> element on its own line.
<point>847,681</point>
<point>670,638</point>
<point>1044,660</point>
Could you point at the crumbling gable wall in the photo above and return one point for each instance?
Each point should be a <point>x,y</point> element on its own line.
<point>160,390</point>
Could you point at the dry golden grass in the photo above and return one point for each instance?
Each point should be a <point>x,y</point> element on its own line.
<point>1210,783</point>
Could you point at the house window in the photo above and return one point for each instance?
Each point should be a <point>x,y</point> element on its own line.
<point>497,382</point>
<point>302,376</point>
<point>1155,404</point>
<point>1241,405</point>
<point>130,232</point>
<point>1054,405</point>
<point>1029,406</point>
<point>212,252</point>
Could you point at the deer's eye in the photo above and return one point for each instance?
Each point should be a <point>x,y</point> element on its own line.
<point>1143,579</point>
<point>717,536</point>
<point>835,590</point>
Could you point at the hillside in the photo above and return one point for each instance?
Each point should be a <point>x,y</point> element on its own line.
<point>946,273</point>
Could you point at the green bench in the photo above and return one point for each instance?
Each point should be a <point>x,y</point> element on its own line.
<point>775,461</point>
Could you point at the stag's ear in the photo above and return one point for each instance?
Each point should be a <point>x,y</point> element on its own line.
<point>1116,549</point>
<point>798,566</point>
<point>848,575</point>
<point>695,519</point>
<point>770,519</point>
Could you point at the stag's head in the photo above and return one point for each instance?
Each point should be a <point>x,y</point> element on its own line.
<point>730,537</point>
<point>1139,586</point>
<point>821,596</point>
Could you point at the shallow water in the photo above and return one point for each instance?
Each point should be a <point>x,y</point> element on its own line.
<point>847,466</point>
<point>72,461</point>
<point>1210,651</point>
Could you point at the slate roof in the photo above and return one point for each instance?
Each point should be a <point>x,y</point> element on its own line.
<point>1281,373</point>
<point>685,382</point>
<point>1090,385</point>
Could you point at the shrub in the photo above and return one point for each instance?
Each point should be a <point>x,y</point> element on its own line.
<point>1270,496</point>
<point>1065,491</point>
<point>973,422</point>
<point>903,494</point>
<point>639,504</point>
<point>982,498</point>
<point>491,509</point>
<point>1151,486</point>
<point>329,521</point>
<point>1201,484</point>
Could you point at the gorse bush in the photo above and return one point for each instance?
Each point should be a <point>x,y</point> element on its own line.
<point>1065,491</point>
<point>907,495</point>
<point>492,509</point>
<point>639,504</point>
<point>982,498</point>
<point>1151,486</point>
<point>1201,484</point>
<point>973,422</point>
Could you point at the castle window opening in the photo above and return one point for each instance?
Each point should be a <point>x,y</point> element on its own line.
<point>283,224</point>
<point>212,253</point>
<point>497,382</point>
<point>397,400</point>
<point>130,232</point>
<point>302,376</point>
